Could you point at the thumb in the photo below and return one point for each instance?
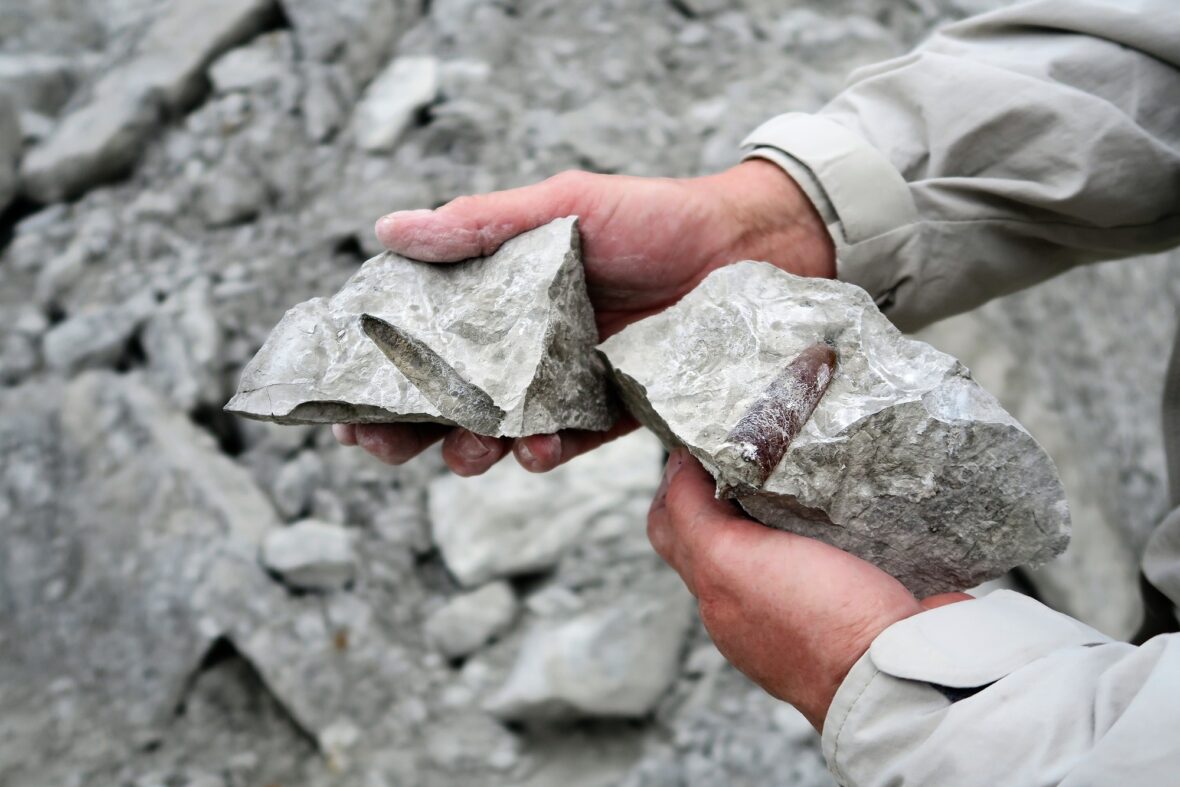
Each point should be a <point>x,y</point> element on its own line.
<point>474,226</point>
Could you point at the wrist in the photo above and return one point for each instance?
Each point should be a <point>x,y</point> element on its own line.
<point>773,220</point>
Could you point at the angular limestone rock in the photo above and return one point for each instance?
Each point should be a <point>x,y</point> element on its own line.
<point>392,99</point>
<point>470,620</point>
<point>613,660</point>
<point>310,555</point>
<point>508,521</point>
<point>502,345</point>
<point>905,462</point>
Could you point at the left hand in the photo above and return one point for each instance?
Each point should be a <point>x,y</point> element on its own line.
<point>792,613</point>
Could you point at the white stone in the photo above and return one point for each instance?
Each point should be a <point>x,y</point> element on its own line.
<point>509,521</point>
<point>95,337</point>
<point>389,104</point>
<point>310,555</point>
<point>264,62</point>
<point>470,620</point>
<point>613,660</point>
<point>183,343</point>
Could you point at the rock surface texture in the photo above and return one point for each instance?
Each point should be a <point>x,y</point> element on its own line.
<point>143,642</point>
<point>501,345</point>
<point>906,461</point>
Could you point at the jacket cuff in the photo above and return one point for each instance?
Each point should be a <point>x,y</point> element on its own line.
<point>861,196</point>
<point>909,666</point>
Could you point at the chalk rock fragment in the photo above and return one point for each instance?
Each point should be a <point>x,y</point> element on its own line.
<point>905,462</point>
<point>388,106</point>
<point>470,620</point>
<point>611,660</point>
<point>310,555</point>
<point>502,345</point>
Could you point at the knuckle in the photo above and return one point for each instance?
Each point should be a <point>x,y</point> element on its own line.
<point>715,608</point>
<point>463,203</point>
<point>571,178</point>
<point>382,446</point>
<point>658,533</point>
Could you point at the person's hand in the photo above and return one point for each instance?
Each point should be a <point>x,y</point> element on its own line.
<point>645,243</point>
<point>792,613</point>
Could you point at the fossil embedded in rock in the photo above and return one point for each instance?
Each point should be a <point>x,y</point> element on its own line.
<point>756,445</point>
<point>501,345</point>
<point>905,461</point>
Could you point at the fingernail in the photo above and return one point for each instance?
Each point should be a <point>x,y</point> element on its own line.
<point>472,447</point>
<point>675,462</point>
<point>400,215</point>
<point>548,445</point>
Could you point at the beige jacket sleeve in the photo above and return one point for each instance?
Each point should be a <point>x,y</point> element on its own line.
<point>1006,149</point>
<point>1004,691</point>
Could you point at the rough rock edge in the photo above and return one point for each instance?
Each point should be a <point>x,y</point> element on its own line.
<point>942,568</point>
<point>445,396</point>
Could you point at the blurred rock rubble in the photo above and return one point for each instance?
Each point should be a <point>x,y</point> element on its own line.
<point>196,600</point>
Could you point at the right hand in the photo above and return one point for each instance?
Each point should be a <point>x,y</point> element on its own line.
<point>646,242</point>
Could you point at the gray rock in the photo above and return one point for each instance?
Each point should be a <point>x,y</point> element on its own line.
<point>231,194</point>
<point>40,83</point>
<point>59,273</point>
<point>116,513</point>
<point>906,461</point>
<point>390,102</point>
<point>20,339</point>
<point>358,34</point>
<point>96,337</point>
<point>296,482</point>
<point>468,621</point>
<point>500,345</point>
<point>95,143</point>
<point>183,342</point>
<point>264,62</point>
<point>324,102</point>
<point>105,135</point>
<point>310,555</point>
<point>471,742</point>
<point>10,149</point>
<point>509,521</point>
<point>611,660</point>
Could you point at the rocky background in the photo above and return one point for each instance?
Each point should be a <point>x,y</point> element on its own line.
<point>189,599</point>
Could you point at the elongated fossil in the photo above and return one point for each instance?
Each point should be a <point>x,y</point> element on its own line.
<point>757,443</point>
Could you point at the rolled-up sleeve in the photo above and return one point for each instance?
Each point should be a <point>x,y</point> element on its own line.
<point>1003,690</point>
<point>1006,149</point>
